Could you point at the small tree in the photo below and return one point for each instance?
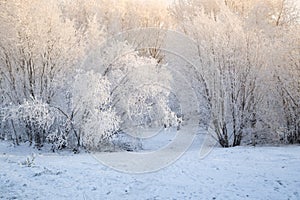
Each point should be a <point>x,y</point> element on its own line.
<point>93,116</point>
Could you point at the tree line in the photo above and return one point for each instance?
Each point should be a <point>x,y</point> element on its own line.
<point>246,70</point>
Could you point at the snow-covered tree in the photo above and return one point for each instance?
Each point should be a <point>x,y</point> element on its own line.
<point>117,17</point>
<point>228,64</point>
<point>40,49</point>
<point>286,57</point>
<point>37,48</point>
<point>94,117</point>
<point>140,86</point>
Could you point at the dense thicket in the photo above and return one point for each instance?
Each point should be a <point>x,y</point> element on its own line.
<point>247,69</point>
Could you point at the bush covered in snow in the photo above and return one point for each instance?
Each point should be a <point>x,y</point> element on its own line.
<point>31,121</point>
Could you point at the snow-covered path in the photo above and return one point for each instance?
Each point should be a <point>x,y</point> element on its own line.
<point>235,173</point>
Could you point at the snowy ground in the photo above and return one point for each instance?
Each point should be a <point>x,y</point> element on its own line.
<point>235,173</point>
